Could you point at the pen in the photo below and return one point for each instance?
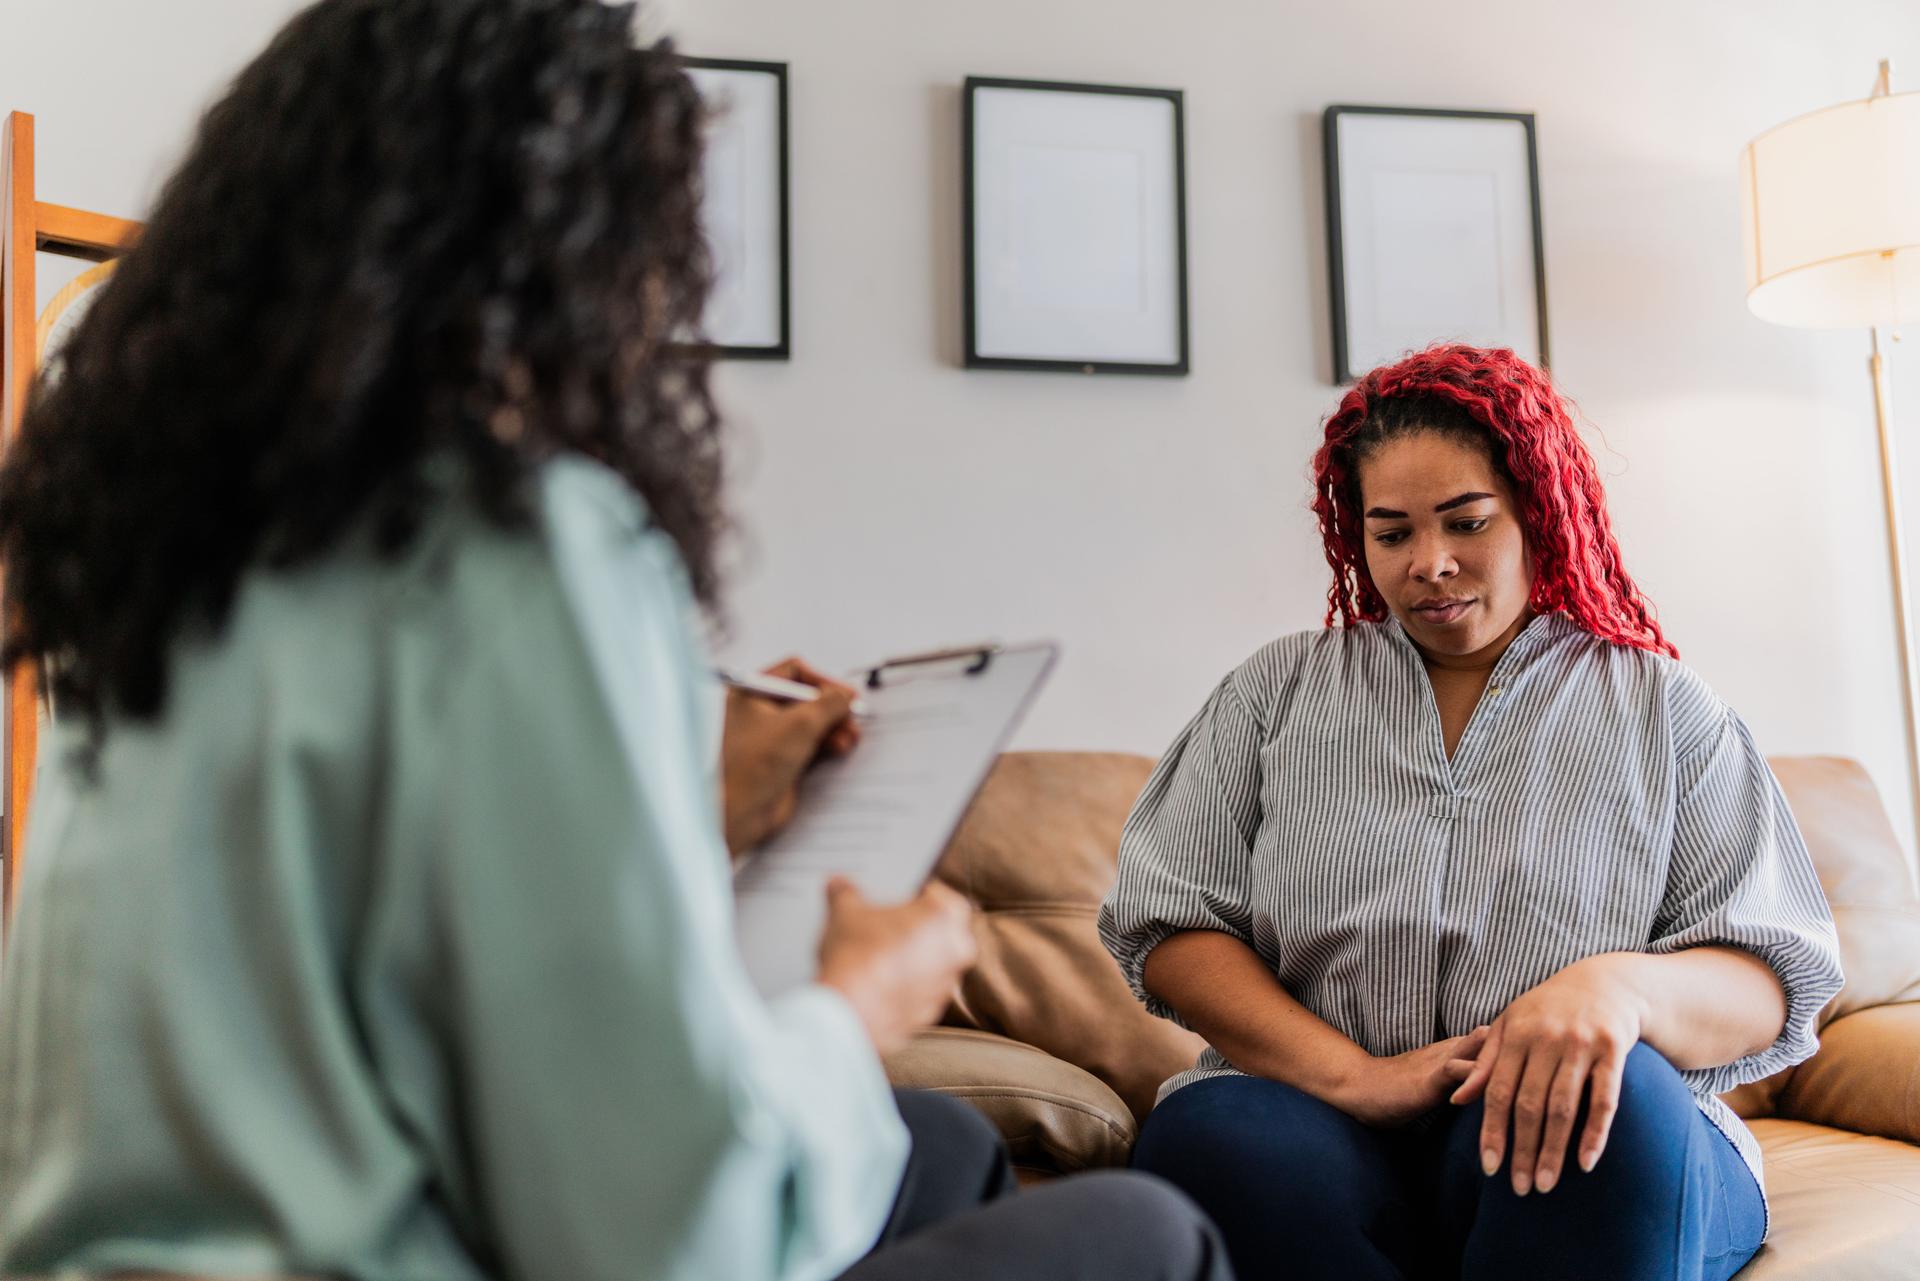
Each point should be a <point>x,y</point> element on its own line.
<point>777,687</point>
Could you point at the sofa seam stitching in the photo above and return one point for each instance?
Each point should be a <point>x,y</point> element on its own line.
<point>1043,1096</point>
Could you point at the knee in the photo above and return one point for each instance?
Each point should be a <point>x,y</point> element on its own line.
<point>1653,1097</point>
<point>1126,1196</point>
<point>1648,1069</point>
<point>1653,1108</point>
<point>1243,1129</point>
<point>1156,1220</point>
<point>1262,1150</point>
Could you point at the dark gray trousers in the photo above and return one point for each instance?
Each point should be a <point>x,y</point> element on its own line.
<point>960,1216</point>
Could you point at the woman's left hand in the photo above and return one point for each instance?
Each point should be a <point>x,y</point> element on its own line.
<point>1566,1038</point>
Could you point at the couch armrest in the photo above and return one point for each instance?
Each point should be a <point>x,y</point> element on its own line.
<point>1055,1117</point>
<point>1866,1077</point>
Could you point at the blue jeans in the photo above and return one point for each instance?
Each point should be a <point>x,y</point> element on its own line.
<point>1302,1190</point>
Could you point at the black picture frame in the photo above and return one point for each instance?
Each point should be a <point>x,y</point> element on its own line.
<point>1336,265</point>
<point>973,358</point>
<point>782,349</point>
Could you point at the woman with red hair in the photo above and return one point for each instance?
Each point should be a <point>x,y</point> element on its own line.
<point>1479,898</point>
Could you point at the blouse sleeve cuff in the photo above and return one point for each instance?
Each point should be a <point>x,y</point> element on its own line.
<point>1133,965</point>
<point>1807,986</point>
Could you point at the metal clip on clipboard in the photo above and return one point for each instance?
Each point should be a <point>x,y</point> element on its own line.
<point>982,656</point>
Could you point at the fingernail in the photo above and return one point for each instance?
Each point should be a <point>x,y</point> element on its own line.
<point>1587,1160</point>
<point>1546,1181</point>
<point>1522,1183</point>
<point>1490,1162</point>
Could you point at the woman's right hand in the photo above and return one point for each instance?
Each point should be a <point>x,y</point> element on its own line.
<point>897,966</point>
<point>1394,1090</point>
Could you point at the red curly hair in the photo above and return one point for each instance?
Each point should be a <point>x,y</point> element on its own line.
<point>1493,397</point>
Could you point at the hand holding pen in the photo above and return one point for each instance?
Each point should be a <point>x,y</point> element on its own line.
<point>778,723</point>
<point>786,690</point>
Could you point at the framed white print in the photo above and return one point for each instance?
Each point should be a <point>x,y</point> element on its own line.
<point>1074,207</point>
<point>1433,233</point>
<point>744,206</point>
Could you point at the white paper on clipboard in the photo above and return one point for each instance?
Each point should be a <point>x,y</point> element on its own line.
<point>882,815</point>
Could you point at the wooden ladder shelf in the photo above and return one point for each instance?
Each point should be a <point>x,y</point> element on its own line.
<point>31,227</point>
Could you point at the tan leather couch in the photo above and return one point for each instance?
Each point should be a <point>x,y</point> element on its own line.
<point>1046,1039</point>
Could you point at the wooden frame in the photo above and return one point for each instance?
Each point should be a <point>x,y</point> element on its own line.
<point>1336,248</point>
<point>28,227</point>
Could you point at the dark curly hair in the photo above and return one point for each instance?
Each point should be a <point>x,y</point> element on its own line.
<point>410,228</point>
<point>1500,403</point>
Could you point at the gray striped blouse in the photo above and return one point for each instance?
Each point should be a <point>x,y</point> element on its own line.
<point>1601,799</point>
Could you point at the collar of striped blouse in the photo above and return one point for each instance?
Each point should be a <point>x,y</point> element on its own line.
<point>1540,629</point>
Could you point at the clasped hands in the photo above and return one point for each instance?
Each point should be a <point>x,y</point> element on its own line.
<point>1560,1043</point>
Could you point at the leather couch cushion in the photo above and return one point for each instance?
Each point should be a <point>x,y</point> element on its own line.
<point>1758,1098</point>
<point>1865,874</point>
<point>1868,880</point>
<point>1037,853</point>
<point>1845,1207</point>
<point>1055,1117</point>
<point>1866,1077</point>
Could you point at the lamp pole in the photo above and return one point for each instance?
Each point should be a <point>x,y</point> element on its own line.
<point>1896,540</point>
<point>1896,554</point>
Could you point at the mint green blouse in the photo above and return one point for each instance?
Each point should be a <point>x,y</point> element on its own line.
<point>401,946</point>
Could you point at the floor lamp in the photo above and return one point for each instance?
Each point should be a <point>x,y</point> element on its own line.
<point>1833,242</point>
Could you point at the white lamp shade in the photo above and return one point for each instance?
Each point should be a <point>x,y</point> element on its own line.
<point>1833,216</point>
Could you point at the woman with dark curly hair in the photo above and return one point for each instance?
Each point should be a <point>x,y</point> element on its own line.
<point>376,919</point>
<point>1480,898</point>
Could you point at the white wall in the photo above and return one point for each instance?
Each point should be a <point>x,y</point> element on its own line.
<point>1158,527</point>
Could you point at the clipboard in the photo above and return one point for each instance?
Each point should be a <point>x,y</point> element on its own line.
<point>883,815</point>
